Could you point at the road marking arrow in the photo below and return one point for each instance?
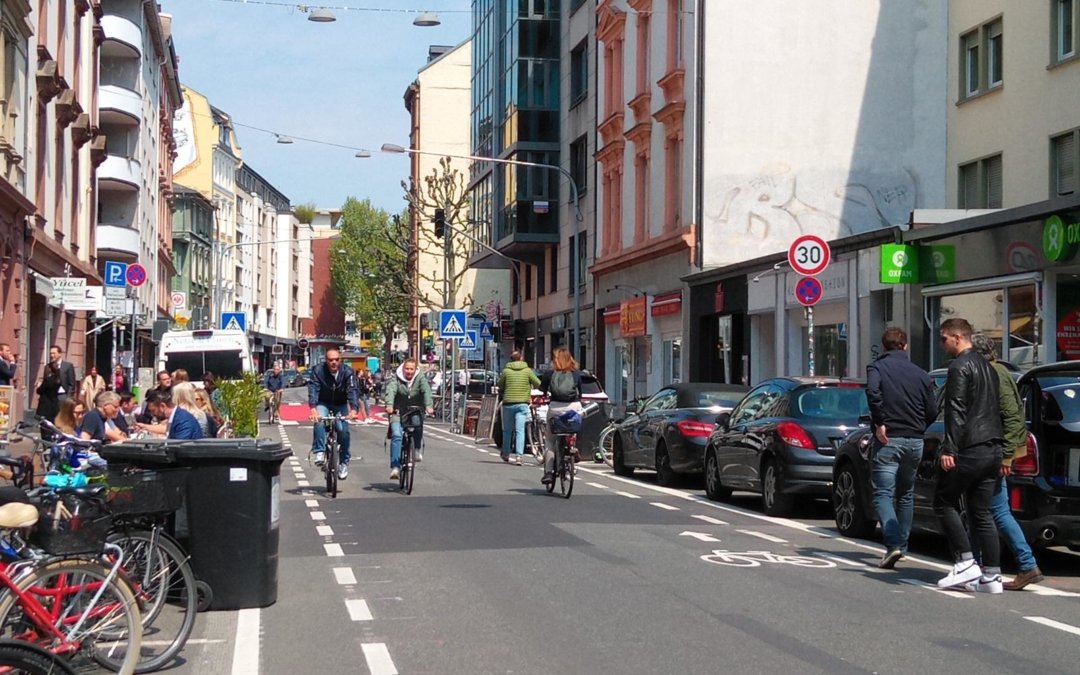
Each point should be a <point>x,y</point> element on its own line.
<point>700,536</point>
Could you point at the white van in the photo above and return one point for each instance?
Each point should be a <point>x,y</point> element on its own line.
<point>225,353</point>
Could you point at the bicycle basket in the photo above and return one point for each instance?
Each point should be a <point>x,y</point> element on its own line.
<point>568,422</point>
<point>70,525</point>
<point>133,491</point>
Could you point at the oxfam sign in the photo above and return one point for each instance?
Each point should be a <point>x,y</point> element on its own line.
<point>1060,239</point>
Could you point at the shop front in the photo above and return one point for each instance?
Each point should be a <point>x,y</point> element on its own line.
<point>1014,274</point>
<point>643,345</point>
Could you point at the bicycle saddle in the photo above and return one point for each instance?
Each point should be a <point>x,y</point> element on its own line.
<point>16,515</point>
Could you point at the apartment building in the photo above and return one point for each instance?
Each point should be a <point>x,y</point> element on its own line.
<point>138,92</point>
<point>438,103</point>
<point>648,234</point>
<point>520,207</point>
<point>193,238</point>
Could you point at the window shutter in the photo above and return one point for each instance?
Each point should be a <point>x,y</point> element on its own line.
<point>992,168</point>
<point>969,187</point>
<point>1065,164</point>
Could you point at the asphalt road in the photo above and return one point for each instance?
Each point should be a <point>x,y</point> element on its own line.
<point>480,571</point>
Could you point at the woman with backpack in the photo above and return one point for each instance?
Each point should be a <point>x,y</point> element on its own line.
<point>562,386</point>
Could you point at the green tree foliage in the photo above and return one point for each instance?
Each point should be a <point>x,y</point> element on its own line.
<point>305,213</point>
<point>369,267</point>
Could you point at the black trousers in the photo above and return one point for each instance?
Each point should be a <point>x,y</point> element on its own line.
<point>972,480</point>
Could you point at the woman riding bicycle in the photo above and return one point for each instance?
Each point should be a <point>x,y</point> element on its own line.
<point>562,385</point>
<point>408,388</point>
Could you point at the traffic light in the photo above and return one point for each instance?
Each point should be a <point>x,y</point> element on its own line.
<point>440,223</point>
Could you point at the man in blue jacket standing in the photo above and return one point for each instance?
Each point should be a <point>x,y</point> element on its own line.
<point>333,389</point>
<point>902,405</point>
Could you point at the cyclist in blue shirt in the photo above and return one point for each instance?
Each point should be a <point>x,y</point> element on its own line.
<point>332,389</point>
<point>275,384</point>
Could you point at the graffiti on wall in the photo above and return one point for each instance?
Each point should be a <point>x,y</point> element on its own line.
<point>766,212</point>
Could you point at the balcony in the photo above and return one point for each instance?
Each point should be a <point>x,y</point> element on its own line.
<point>119,105</point>
<point>116,242</point>
<point>123,39</point>
<point>120,174</point>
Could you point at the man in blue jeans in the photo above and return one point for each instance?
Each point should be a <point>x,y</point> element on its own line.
<point>902,405</point>
<point>332,389</point>
<point>1016,434</point>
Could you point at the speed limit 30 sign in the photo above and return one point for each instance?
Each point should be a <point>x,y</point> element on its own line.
<point>809,255</point>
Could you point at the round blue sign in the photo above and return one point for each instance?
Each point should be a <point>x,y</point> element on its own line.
<point>808,291</point>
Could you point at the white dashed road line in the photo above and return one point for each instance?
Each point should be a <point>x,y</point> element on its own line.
<point>841,560</point>
<point>709,519</point>
<point>311,502</point>
<point>666,507</point>
<point>324,530</point>
<point>944,591</point>
<point>378,659</point>
<point>333,550</point>
<point>1042,620</point>
<point>762,535</point>
<point>317,515</point>
<point>344,576</point>
<point>358,610</point>
<point>246,652</point>
<point>598,486</point>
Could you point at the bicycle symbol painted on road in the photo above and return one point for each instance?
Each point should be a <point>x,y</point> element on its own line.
<point>756,558</point>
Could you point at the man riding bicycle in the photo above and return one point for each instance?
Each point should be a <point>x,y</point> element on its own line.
<point>275,384</point>
<point>406,389</point>
<point>332,390</point>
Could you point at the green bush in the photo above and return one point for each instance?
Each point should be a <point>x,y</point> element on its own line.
<point>240,401</point>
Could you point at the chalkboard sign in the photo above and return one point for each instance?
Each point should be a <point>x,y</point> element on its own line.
<point>485,425</point>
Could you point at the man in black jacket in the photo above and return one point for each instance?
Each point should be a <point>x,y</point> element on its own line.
<point>332,390</point>
<point>970,460</point>
<point>902,405</point>
<point>7,364</point>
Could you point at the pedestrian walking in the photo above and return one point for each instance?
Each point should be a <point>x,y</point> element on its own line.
<point>970,461</point>
<point>902,406</point>
<point>516,383</point>
<point>1014,430</point>
<point>120,380</point>
<point>92,385</point>
<point>7,364</point>
<point>67,373</point>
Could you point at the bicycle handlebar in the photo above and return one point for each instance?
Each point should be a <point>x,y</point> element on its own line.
<point>69,438</point>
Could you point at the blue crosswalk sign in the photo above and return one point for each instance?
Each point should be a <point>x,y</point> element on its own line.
<point>452,323</point>
<point>115,273</point>
<point>233,321</point>
<point>468,343</point>
<point>485,330</point>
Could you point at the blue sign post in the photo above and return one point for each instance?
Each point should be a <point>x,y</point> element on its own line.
<point>233,321</point>
<point>452,323</point>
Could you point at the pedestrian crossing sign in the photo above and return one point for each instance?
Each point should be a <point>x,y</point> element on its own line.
<point>452,323</point>
<point>485,330</point>
<point>233,321</point>
<point>468,343</point>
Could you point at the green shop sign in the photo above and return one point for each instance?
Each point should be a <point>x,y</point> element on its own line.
<point>1060,239</point>
<point>908,264</point>
<point>899,264</point>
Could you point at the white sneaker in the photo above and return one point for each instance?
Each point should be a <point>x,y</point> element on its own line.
<point>418,456</point>
<point>991,585</point>
<point>962,572</point>
<point>320,458</point>
<point>394,474</point>
<point>369,421</point>
<point>343,472</point>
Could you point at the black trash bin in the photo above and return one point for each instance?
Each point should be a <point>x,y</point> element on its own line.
<point>229,523</point>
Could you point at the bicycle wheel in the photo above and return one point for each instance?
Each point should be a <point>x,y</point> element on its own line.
<point>405,459</point>
<point>409,475</point>
<point>330,466</point>
<point>606,445</point>
<point>162,579</point>
<point>110,630</point>
<point>22,657</point>
<point>566,470</point>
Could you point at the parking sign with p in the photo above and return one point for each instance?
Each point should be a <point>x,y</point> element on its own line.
<point>115,273</point>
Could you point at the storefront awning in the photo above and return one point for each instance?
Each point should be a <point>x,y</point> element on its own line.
<point>664,304</point>
<point>611,314</point>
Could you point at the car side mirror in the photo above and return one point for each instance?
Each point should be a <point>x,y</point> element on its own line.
<point>722,420</point>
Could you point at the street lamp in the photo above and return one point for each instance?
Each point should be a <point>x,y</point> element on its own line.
<point>575,255</point>
<point>426,19</point>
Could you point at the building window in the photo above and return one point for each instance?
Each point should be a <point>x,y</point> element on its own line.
<point>1063,20</point>
<point>579,159</point>
<point>674,34</point>
<point>643,54</point>
<point>579,72</point>
<point>980,184</point>
<point>982,64</point>
<point>1063,162</point>
<point>576,268</point>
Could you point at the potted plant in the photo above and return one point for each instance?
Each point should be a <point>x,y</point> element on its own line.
<point>240,402</point>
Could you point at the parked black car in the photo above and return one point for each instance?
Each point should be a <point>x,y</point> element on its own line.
<point>1044,488</point>
<point>781,438</point>
<point>669,430</point>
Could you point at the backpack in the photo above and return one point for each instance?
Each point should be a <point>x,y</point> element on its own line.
<point>563,386</point>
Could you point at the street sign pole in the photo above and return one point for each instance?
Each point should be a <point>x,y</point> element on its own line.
<point>810,340</point>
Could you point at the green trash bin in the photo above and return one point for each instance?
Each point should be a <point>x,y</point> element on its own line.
<point>229,523</point>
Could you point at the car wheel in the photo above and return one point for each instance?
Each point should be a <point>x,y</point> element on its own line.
<point>618,462</point>
<point>775,502</point>
<point>714,488</point>
<point>665,477</point>
<point>849,512</point>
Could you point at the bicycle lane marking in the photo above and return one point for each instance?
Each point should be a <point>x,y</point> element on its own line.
<point>802,527</point>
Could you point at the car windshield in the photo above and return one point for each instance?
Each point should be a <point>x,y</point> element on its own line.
<point>831,403</point>
<point>224,364</point>
<point>718,399</point>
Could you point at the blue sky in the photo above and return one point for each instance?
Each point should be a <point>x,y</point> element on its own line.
<point>342,82</point>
